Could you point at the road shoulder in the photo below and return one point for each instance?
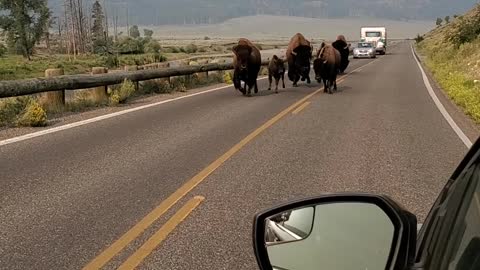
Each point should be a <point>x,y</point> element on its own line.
<point>464,122</point>
<point>72,117</point>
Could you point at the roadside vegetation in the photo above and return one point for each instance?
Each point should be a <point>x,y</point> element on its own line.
<point>26,111</point>
<point>452,54</point>
<point>38,41</point>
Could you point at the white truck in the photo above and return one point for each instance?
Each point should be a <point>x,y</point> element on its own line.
<point>375,35</point>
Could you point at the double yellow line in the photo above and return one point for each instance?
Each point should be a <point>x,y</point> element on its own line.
<point>103,258</point>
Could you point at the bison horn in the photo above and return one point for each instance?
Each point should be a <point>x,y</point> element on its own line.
<point>294,53</point>
<point>325,61</point>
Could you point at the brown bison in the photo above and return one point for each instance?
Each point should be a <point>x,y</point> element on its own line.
<point>342,46</point>
<point>247,63</point>
<point>299,54</point>
<point>326,66</point>
<point>276,69</point>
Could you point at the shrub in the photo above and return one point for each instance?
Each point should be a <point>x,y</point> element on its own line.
<point>419,38</point>
<point>178,84</point>
<point>175,49</point>
<point>152,46</point>
<point>206,38</point>
<point>157,57</point>
<point>147,32</point>
<point>123,93</point>
<point>191,48</point>
<point>128,45</point>
<point>81,101</point>
<point>22,111</point>
<point>112,61</point>
<point>33,116</point>
<point>465,29</point>
<point>3,50</point>
<point>439,22</point>
<point>227,78</point>
<point>12,108</point>
<point>160,86</point>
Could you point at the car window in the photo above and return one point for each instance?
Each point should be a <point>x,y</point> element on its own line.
<point>466,231</point>
<point>373,34</point>
<point>364,45</point>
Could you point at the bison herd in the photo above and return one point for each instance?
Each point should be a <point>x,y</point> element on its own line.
<point>330,60</point>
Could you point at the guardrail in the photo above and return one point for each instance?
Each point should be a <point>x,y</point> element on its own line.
<point>83,81</point>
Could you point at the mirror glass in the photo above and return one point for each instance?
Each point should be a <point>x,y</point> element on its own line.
<point>342,236</point>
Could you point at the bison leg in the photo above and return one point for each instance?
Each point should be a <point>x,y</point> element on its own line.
<point>277,80</point>
<point>238,83</point>
<point>297,78</point>
<point>308,79</point>
<point>324,85</point>
<point>269,82</point>
<point>249,91</point>
<point>256,87</point>
<point>283,80</point>
<point>330,87</point>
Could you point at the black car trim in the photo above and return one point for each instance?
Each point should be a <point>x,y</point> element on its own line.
<point>430,225</point>
<point>398,216</point>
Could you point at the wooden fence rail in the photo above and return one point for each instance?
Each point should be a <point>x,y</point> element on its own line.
<point>73,82</point>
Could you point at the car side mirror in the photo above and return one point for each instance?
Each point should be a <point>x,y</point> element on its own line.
<point>336,231</point>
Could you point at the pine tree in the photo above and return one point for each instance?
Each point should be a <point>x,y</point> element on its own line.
<point>98,31</point>
<point>25,22</point>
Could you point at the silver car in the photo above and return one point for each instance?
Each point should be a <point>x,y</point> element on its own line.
<point>364,49</point>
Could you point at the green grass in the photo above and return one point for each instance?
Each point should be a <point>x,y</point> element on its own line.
<point>15,67</point>
<point>455,68</point>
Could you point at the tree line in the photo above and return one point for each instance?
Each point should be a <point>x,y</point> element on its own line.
<point>80,29</point>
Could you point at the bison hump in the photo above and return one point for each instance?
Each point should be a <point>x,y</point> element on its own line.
<point>298,40</point>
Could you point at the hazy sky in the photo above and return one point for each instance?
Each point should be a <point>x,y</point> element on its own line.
<point>159,12</point>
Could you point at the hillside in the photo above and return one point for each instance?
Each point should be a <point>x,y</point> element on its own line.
<point>159,12</point>
<point>272,27</point>
<point>452,53</point>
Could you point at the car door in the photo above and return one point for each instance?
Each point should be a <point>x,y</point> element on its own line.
<point>450,237</point>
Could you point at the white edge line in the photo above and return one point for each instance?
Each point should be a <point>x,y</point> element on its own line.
<point>440,106</point>
<point>106,116</point>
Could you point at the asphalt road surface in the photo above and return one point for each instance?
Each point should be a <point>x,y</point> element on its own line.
<point>67,197</point>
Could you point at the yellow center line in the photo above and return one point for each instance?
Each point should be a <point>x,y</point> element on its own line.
<point>301,107</point>
<point>154,241</point>
<point>106,255</point>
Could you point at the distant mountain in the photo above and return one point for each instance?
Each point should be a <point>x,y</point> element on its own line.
<point>159,12</point>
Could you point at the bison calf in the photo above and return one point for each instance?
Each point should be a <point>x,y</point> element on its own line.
<point>276,69</point>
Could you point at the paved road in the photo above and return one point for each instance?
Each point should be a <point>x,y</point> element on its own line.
<point>67,196</point>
